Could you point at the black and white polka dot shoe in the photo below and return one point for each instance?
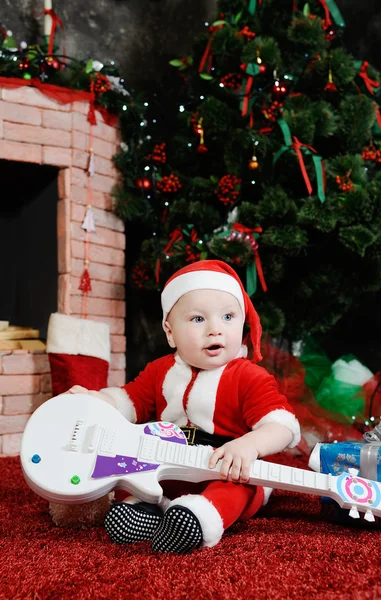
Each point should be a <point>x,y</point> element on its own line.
<point>130,523</point>
<point>179,531</point>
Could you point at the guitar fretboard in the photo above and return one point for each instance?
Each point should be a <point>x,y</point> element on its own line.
<point>153,449</point>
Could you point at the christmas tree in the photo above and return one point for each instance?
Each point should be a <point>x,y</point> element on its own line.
<point>269,159</point>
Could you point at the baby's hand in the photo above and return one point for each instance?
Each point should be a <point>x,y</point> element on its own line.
<point>78,389</point>
<point>237,456</point>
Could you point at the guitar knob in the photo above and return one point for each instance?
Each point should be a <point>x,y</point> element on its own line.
<point>354,513</point>
<point>369,516</point>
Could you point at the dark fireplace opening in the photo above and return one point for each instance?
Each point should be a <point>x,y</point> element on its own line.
<point>28,244</point>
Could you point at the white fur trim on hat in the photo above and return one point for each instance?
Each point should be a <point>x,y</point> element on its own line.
<point>71,335</point>
<point>209,517</point>
<point>199,280</point>
<point>286,418</point>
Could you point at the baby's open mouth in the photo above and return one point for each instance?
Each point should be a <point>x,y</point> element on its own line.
<point>213,350</point>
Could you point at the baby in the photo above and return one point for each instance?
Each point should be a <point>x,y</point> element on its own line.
<point>210,388</point>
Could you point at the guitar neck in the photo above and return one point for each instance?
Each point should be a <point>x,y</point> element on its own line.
<point>154,450</point>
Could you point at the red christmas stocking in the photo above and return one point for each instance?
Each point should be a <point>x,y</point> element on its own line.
<point>79,353</point>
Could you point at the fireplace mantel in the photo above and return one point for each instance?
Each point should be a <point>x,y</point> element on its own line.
<point>37,129</point>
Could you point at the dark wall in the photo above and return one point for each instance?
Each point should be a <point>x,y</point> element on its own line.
<point>142,35</point>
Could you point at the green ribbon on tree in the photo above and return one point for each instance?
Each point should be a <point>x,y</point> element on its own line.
<point>252,6</point>
<point>335,12</point>
<point>292,143</point>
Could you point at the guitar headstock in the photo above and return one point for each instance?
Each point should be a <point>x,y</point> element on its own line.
<point>357,494</point>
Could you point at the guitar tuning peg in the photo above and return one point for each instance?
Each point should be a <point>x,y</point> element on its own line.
<point>354,472</point>
<point>354,513</point>
<point>369,516</point>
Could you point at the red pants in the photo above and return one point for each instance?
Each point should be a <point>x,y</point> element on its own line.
<point>233,501</point>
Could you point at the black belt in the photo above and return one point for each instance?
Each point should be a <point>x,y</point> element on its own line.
<point>195,436</point>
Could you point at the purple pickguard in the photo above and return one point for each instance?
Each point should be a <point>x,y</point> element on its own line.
<point>119,465</point>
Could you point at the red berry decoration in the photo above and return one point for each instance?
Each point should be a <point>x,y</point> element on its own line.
<point>101,84</point>
<point>247,34</point>
<point>228,189</point>
<point>139,274</point>
<point>344,182</point>
<point>159,155</point>
<point>169,184</point>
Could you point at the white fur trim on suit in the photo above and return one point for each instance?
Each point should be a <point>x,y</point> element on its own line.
<point>175,383</point>
<point>71,335</point>
<point>202,398</point>
<point>283,417</point>
<point>123,402</point>
<point>199,280</point>
<point>209,517</point>
<point>267,491</point>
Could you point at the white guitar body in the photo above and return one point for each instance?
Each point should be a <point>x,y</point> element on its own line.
<point>77,448</point>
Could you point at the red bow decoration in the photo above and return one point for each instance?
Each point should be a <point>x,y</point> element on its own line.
<point>369,83</point>
<point>254,245</point>
<point>55,21</point>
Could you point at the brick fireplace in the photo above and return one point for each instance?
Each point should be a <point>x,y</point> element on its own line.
<point>38,130</point>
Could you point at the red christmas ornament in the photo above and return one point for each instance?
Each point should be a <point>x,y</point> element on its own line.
<point>202,149</point>
<point>330,86</point>
<point>85,284</point>
<point>279,91</point>
<point>144,183</point>
<point>262,69</point>
<point>24,64</point>
<point>330,35</point>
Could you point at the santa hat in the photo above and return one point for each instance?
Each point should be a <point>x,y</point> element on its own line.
<point>212,275</point>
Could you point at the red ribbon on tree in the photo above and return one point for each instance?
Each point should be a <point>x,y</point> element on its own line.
<point>174,237</point>
<point>55,21</point>
<point>246,96</point>
<point>207,56</point>
<point>249,231</point>
<point>369,83</point>
<point>296,146</point>
<point>378,114</point>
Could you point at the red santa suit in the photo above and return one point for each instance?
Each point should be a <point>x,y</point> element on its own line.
<point>228,401</point>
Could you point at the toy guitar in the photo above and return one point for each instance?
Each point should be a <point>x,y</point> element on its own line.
<point>77,448</point>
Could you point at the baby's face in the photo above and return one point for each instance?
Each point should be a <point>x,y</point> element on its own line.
<point>206,328</point>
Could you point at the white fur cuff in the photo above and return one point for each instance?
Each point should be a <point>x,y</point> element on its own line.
<point>209,517</point>
<point>283,417</point>
<point>123,402</point>
<point>71,335</point>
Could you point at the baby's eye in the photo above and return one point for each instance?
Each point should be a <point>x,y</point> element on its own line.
<point>228,317</point>
<point>197,319</point>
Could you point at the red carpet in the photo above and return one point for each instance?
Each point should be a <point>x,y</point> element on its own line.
<point>288,552</point>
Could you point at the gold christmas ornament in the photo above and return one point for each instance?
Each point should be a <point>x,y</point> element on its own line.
<point>253,164</point>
